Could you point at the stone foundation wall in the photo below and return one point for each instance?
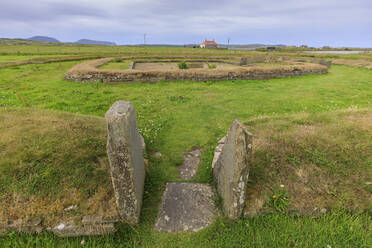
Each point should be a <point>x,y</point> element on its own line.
<point>88,72</point>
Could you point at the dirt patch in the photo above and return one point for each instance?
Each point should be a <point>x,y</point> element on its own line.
<point>156,66</point>
<point>354,63</point>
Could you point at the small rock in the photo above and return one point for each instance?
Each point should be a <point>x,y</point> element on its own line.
<point>190,164</point>
<point>323,210</point>
<point>70,208</point>
<point>61,226</point>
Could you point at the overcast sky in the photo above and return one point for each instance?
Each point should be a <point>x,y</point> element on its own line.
<point>291,22</point>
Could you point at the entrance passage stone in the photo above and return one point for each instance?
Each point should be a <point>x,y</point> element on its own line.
<point>125,153</point>
<point>190,164</point>
<point>186,207</point>
<point>231,168</point>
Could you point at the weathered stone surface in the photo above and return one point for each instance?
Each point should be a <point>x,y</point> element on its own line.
<point>231,168</point>
<point>69,229</point>
<point>31,227</point>
<point>218,150</point>
<point>126,160</point>
<point>89,220</point>
<point>243,61</point>
<point>190,164</point>
<point>325,62</point>
<point>186,207</point>
<point>143,144</point>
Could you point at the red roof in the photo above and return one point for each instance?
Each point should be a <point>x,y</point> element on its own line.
<point>209,42</point>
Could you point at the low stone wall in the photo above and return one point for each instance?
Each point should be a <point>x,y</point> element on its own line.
<point>88,72</point>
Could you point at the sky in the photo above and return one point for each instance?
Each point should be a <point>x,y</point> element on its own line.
<point>290,22</point>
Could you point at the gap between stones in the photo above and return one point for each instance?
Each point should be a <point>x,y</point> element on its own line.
<point>184,206</point>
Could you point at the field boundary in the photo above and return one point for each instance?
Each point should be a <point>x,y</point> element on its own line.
<point>41,60</point>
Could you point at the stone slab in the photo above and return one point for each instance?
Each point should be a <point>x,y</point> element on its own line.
<point>231,168</point>
<point>125,153</point>
<point>186,207</point>
<point>69,229</point>
<point>190,164</point>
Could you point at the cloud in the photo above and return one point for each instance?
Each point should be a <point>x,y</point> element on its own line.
<point>176,21</point>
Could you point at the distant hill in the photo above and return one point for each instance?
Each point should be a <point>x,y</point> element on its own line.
<point>95,42</point>
<point>43,38</point>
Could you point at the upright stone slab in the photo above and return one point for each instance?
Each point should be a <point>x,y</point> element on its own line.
<point>231,168</point>
<point>125,154</point>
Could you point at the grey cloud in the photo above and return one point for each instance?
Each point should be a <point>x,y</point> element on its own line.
<point>186,21</point>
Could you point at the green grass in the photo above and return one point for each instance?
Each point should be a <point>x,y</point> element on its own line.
<point>10,58</point>
<point>117,65</point>
<point>51,159</point>
<point>175,116</point>
<point>116,50</point>
<point>336,229</point>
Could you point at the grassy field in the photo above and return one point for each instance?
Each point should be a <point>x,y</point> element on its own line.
<point>10,58</point>
<point>312,134</point>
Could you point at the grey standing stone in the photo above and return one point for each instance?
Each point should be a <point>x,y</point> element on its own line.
<point>125,155</point>
<point>231,168</point>
<point>186,207</point>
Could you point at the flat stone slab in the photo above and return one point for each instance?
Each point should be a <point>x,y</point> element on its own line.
<point>186,207</point>
<point>69,229</point>
<point>190,164</point>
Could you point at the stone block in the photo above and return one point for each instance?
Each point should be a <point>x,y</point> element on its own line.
<point>69,229</point>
